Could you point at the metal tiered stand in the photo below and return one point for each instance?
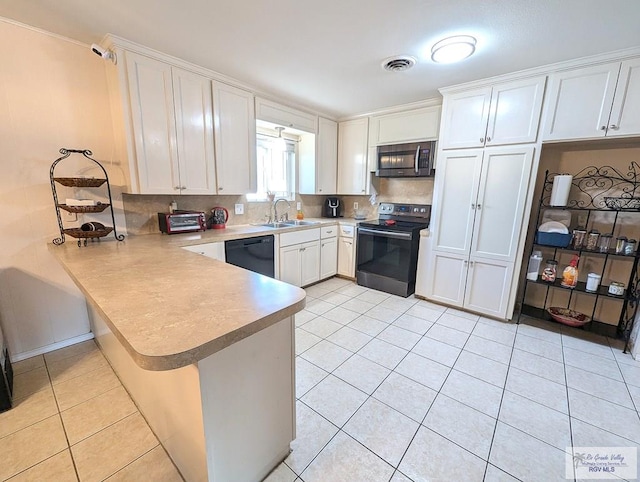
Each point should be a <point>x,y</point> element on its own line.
<point>597,191</point>
<point>81,182</point>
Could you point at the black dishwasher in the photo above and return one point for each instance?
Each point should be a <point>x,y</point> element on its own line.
<point>254,254</point>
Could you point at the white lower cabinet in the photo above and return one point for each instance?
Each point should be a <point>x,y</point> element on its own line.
<point>328,252</point>
<point>300,257</point>
<point>347,252</point>
<point>481,285</point>
<point>210,250</point>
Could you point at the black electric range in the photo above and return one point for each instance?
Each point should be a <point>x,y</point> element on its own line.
<point>387,249</point>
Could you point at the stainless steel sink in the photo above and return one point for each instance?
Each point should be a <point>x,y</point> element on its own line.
<point>275,225</point>
<point>295,222</point>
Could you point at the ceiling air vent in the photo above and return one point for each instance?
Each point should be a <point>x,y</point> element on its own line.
<point>398,63</point>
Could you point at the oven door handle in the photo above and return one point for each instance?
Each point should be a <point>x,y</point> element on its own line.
<point>417,159</point>
<point>385,234</point>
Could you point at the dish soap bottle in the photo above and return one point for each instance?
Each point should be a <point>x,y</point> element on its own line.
<point>570,274</point>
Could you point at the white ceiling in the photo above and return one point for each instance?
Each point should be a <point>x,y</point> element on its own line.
<point>326,54</point>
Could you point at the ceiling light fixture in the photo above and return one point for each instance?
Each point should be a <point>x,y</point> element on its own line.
<point>453,49</point>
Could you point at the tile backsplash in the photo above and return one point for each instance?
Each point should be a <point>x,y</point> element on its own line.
<point>141,210</point>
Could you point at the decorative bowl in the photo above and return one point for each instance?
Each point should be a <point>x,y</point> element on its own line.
<point>568,317</point>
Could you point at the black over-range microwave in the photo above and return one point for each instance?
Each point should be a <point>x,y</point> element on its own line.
<point>406,160</point>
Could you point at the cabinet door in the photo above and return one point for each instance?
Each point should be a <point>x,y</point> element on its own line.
<point>447,277</point>
<point>194,130</point>
<point>153,120</point>
<point>579,102</point>
<point>500,204</point>
<point>328,257</point>
<point>210,250</point>
<point>625,114</point>
<point>290,266</point>
<point>309,263</point>
<point>352,157</point>
<point>346,257</point>
<point>326,156</point>
<point>235,139</point>
<point>409,126</point>
<point>464,118</point>
<point>488,287</point>
<point>454,199</point>
<point>514,114</point>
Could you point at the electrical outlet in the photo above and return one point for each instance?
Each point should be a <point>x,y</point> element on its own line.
<point>71,217</point>
<point>298,206</point>
<point>355,205</point>
<point>239,208</point>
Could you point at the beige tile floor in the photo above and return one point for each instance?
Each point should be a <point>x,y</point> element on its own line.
<point>72,420</point>
<point>394,389</point>
<point>388,389</point>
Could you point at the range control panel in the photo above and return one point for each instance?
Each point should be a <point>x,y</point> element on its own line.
<point>412,210</point>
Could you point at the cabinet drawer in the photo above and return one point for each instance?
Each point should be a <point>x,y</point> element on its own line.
<point>298,237</point>
<point>328,232</point>
<point>347,231</point>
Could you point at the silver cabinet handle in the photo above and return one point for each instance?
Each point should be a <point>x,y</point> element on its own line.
<point>482,139</point>
<point>488,139</point>
<point>319,190</point>
<point>603,128</point>
<point>303,249</point>
<point>473,206</point>
<point>220,189</point>
<point>479,206</point>
<point>183,187</point>
<point>329,232</point>
<point>177,188</point>
<point>613,126</point>
<point>471,264</point>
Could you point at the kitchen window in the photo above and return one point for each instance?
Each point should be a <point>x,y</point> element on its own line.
<point>275,169</point>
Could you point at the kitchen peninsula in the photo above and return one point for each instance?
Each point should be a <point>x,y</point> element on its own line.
<point>205,349</point>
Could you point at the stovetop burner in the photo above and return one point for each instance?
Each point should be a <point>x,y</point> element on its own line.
<point>401,217</point>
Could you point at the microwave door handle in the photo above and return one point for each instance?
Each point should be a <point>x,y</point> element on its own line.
<point>417,158</point>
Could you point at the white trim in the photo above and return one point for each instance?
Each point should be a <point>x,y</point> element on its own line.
<point>47,348</point>
<point>44,32</point>
<point>113,41</point>
<point>616,56</point>
<point>431,102</point>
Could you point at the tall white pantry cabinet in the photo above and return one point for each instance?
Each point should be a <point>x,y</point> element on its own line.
<point>482,193</point>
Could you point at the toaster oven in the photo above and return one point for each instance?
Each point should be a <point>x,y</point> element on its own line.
<point>181,222</point>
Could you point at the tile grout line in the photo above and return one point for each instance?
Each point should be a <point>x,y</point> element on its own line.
<point>64,428</point>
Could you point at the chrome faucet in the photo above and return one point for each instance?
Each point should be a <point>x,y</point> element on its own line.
<point>275,209</point>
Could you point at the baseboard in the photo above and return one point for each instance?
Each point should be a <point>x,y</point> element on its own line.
<point>54,346</point>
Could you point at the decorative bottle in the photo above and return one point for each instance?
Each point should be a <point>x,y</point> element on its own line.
<point>570,274</point>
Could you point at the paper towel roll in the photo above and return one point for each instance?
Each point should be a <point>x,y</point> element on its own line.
<point>560,190</point>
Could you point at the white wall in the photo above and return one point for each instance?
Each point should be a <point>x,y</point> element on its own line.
<point>53,94</point>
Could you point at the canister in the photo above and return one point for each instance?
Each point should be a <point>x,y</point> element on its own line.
<point>620,242</point>
<point>592,239</point>
<point>593,281</point>
<point>605,243</point>
<point>630,246</point>
<point>550,271</point>
<point>578,238</point>
<point>616,288</point>
<point>534,265</point>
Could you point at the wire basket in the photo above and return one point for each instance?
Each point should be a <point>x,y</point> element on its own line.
<point>80,181</point>
<point>98,208</point>
<point>79,233</point>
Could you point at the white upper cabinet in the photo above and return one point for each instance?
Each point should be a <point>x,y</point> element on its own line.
<point>407,126</point>
<point>269,111</point>
<point>500,205</point>
<point>352,157</point>
<point>625,113</point>
<point>599,101</point>
<point>235,139</point>
<point>507,113</point>
<point>455,193</point>
<point>153,121</point>
<point>194,131</point>
<point>579,102</point>
<point>319,159</point>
